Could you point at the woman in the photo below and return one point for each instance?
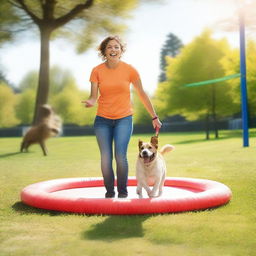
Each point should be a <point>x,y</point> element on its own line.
<point>113,122</point>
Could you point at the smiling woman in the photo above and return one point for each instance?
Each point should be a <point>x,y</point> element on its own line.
<point>113,124</point>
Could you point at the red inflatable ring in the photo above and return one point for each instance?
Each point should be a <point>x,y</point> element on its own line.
<point>86,195</point>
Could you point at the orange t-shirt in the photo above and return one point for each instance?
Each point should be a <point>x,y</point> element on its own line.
<point>114,86</point>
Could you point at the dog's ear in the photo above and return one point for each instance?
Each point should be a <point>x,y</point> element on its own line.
<point>154,141</point>
<point>140,144</point>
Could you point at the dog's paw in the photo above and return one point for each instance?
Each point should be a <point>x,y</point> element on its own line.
<point>152,194</point>
<point>139,192</point>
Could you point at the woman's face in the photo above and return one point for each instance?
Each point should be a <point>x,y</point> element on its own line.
<point>113,50</point>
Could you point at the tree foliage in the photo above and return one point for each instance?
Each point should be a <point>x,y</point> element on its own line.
<point>25,106</point>
<point>60,79</point>
<point>64,96</point>
<point>68,105</point>
<point>141,116</point>
<point>8,19</point>
<point>7,106</point>
<point>171,48</point>
<point>231,65</point>
<point>83,19</point>
<point>198,61</point>
<point>29,81</point>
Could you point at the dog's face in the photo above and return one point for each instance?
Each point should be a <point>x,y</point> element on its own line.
<point>148,150</point>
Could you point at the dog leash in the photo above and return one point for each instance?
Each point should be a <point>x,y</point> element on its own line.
<point>157,131</point>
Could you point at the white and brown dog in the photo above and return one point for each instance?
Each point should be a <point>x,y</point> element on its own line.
<point>151,167</point>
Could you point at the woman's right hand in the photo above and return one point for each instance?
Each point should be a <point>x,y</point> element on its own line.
<point>89,103</point>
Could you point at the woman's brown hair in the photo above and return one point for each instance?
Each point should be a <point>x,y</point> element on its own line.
<point>103,45</point>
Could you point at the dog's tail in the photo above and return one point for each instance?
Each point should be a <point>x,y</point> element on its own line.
<point>166,148</point>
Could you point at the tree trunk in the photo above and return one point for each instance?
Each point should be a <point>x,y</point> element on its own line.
<point>207,126</point>
<point>43,83</point>
<point>215,124</point>
<point>214,116</point>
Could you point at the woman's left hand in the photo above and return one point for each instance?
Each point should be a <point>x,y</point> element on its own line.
<point>157,123</point>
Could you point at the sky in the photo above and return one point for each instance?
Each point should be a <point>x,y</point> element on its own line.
<point>148,29</point>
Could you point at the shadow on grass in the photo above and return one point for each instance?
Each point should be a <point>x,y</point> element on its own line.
<point>9,154</point>
<point>26,209</point>
<point>203,139</point>
<point>111,228</point>
<point>117,227</point>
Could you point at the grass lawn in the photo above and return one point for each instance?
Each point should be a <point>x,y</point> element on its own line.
<point>225,231</point>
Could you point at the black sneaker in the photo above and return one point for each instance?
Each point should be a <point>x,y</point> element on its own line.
<point>122,195</point>
<point>109,195</point>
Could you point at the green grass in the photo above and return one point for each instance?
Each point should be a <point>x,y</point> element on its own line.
<point>226,231</point>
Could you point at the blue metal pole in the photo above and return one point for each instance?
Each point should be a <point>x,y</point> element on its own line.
<point>243,80</point>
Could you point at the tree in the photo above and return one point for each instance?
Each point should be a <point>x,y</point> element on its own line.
<point>170,48</point>
<point>29,81</point>
<point>25,105</point>
<point>8,18</point>
<point>7,106</point>
<point>60,79</point>
<point>231,65</point>
<point>198,61</point>
<point>2,77</point>
<point>141,116</point>
<point>251,78</point>
<point>68,104</point>
<point>64,94</point>
<point>52,18</point>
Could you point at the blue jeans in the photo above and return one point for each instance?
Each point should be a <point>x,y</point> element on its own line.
<point>118,131</point>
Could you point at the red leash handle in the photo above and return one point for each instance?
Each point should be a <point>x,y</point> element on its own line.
<point>157,130</point>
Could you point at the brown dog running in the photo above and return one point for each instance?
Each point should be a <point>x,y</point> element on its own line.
<point>151,167</point>
<point>50,125</point>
